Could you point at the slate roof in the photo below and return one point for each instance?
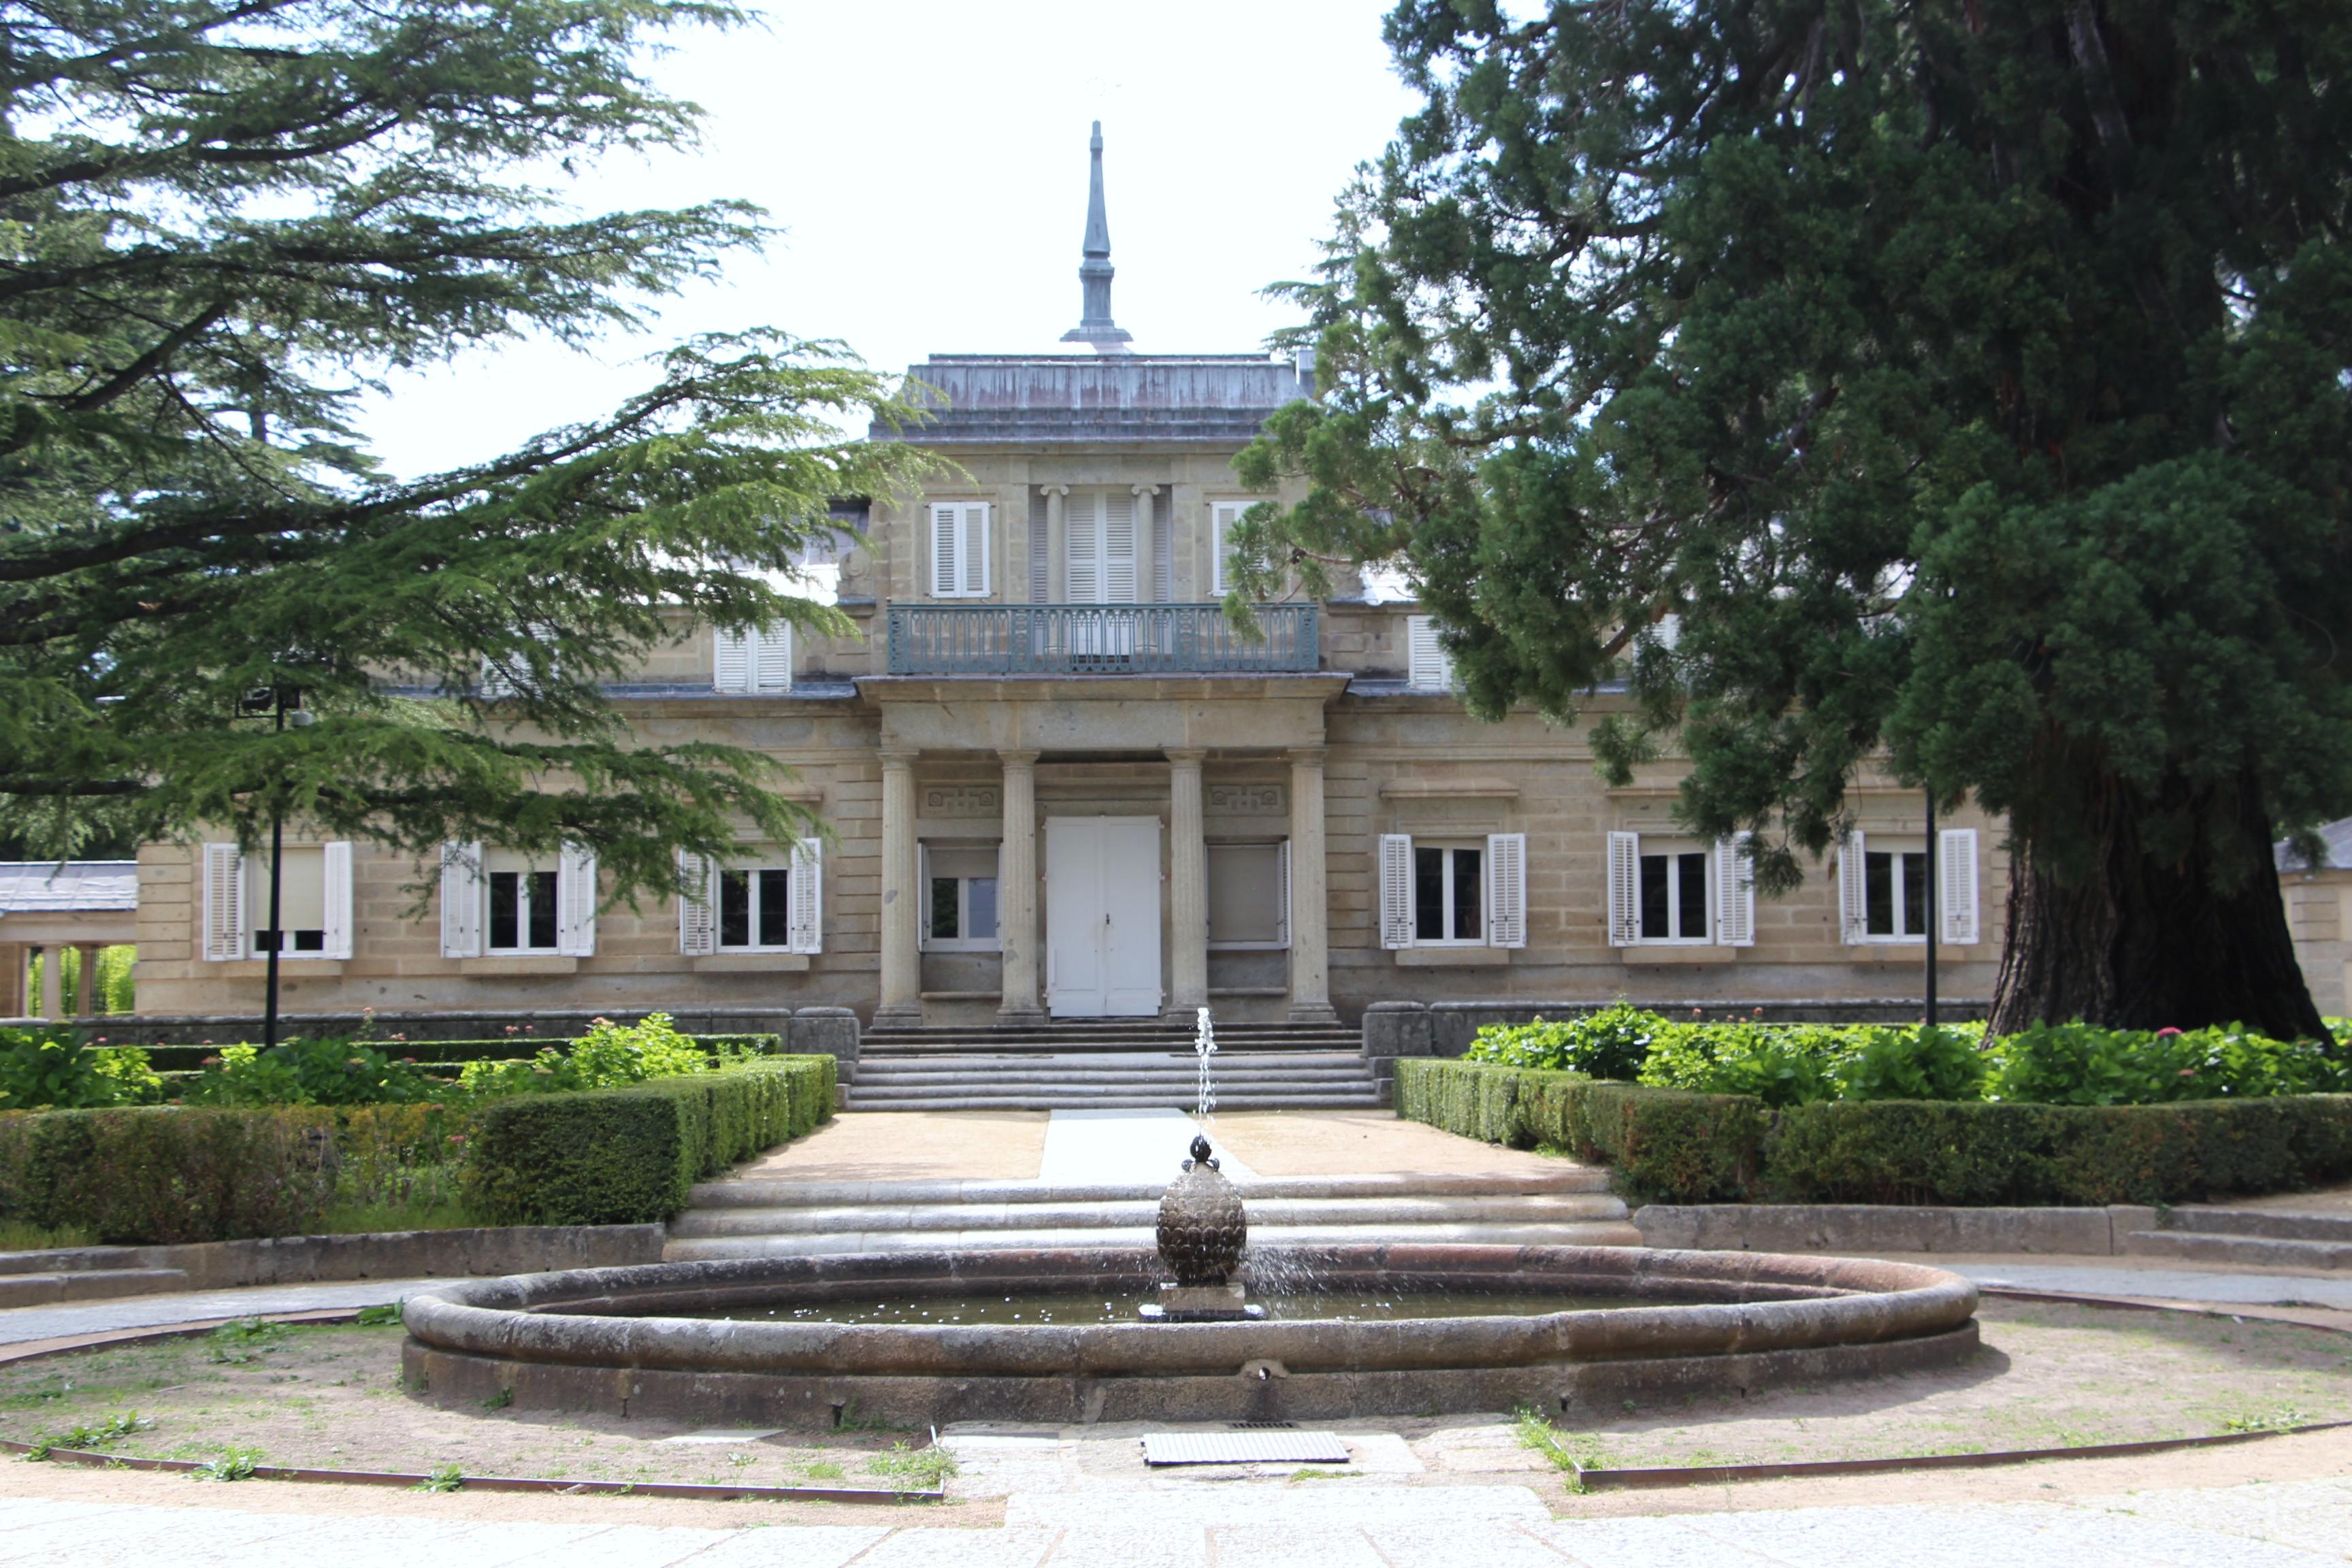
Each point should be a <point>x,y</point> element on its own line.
<point>2335,836</point>
<point>45,886</point>
<point>1009,399</point>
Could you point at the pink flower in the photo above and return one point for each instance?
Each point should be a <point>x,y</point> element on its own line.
<point>2162,1032</point>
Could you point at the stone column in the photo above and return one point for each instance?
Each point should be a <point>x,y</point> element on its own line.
<point>53,982</point>
<point>902,963</point>
<point>1188,889</point>
<point>87,1003</point>
<point>12,980</point>
<point>1057,583</point>
<point>1311,907</point>
<point>1016,888</point>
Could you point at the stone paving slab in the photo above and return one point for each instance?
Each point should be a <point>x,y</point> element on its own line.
<point>1125,1146</point>
<point>2162,1284</point>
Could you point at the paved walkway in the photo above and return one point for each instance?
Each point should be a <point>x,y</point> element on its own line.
<point>20,1324</point>
<point>2101,1278</point>
<point>2303,1524</point>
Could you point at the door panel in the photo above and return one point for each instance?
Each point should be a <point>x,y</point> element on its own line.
<point>1102,917</point>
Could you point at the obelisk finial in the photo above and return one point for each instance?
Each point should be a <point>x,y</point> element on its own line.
<point>1095,325</point>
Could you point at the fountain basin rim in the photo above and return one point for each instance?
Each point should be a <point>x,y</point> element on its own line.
<point>1781,1302</point>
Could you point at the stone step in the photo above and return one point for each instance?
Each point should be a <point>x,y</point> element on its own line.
<point>1366,1098</point>
<point>68,1259</point>
<point>2209,1220</point>
<point>968,1044</point>
<point>1396,1213</point>
<point>2246,1251</point>
<point>1596,1233</point>
<point>86,1285</point>
<point>755,1192</point>
<point>877,1076</point>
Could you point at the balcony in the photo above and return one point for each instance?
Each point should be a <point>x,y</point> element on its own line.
<point>1099,639</point>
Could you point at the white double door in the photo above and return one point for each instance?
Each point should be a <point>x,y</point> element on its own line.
<point>1102,917</point>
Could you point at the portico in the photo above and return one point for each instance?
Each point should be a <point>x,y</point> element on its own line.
<point>1105,796</point>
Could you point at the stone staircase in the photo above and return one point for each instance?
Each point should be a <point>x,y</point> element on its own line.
<point>2247,1238</point>
<point>755,1217</point>
<point>1110,1065</point>
<point>82,1274</point>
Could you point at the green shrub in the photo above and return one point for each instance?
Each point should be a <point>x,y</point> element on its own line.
<point>2081,1064</point>
<point>40,1069</point>
<point>1613,1043</point>
<point>167,1173</point>
<point>1910,1064</point>
<point>609,1055</point>
<point>626,1156</point>
<point>1779,1065</point>
<point>309,1072</point>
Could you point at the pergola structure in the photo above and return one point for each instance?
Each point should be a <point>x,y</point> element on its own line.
<point>49,906</point>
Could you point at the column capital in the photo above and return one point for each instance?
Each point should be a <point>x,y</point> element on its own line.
<point>1017,759</point>
<point>1185,756</point>
<point>1307,756</point>
<point>1053,490</point>
<point>899,756</point>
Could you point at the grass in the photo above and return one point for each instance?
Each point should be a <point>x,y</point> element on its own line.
<point>16,1235</point>
<point>78,1439</point>
<point>925,1468</point>
<point>429,1214</point>
<point>1569,1453</point>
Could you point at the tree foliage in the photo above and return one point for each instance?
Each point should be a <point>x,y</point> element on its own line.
<point>1962,381</point>
<point>222,223</point>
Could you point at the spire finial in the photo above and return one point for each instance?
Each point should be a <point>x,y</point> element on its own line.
<point>1095,325</point>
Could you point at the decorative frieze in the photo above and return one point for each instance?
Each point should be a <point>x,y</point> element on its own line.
<point>962,800</point>
<point>1248,800</point>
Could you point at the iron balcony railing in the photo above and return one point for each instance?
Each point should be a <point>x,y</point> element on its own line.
<point>1098,640</point>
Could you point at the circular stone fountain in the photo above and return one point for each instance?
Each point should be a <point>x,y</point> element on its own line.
<point>652,1340</point>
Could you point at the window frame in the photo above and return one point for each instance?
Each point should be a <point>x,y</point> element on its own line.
<point>719,942</point>
<point>1220,558</point>
<point>524,909</point>
<point>1448,847</point>
<point>1858,849</point>
<point>1420,635</point>
<point>966,512</point>
<point>1281,847</point>
<point>929,944</point>
<point>1709,895</point>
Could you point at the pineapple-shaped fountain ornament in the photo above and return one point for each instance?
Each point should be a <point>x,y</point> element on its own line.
<point>1201,1224</point>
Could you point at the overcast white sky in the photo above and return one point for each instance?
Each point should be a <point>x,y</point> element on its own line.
<point>928,161</point>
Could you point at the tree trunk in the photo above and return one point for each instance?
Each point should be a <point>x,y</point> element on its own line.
<point>2173,919</point>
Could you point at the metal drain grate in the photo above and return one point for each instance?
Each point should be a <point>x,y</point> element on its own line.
<point>1262,1425</point>
<point>1244,1448</point>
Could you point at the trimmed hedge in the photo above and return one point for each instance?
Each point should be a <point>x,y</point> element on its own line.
<point>1668,1146</point>
<point>626,1156</point>
<point>167,1173</point>
<point>1664,1144</point>
<point>174,1059</point>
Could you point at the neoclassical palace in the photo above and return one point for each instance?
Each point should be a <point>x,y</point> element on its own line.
<point>1056,781</point>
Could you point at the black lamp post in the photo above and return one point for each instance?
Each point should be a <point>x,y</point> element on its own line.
<point>276,701</point>
<point>1935,914</point>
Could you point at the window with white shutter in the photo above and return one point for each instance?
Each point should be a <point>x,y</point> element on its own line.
<point>1853,890</point>
<point>303,903</point>
<point>959,550</point>
<point>1955,890</point>
<point>335,889</point>
<point>1625,889</point>
<point>225,935</point>
<point>808,896</point>
<point>1506,889</point>
<point>1249,894</point>
<point>1882,888</point>
<point>1396,889</point>
<point>1735,891</point>
<point>575,894</point>
<point>1428,667</point>
<point>1222,517</point>
<point>752,660</point>
<point>461,901</point>
<point>1100,550</point>
<point>697,921</point>
<point>504,675</point>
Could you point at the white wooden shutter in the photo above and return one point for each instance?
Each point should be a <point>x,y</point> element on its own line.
<point>808,896</point>
<point>1222,517</point>
<point>1428,665</point>
<point>772,658</point>
<point>461,901</point>
<point>731,660</point>
<point>698,915</point>
<point>1854,891</point>
<point>1082,549</point>
<point>1506,889</point>
<point>1734,891</point>
<point>1956,891</point>
<point>1119,559</point>
<point>1282,875</point>
<point>335,862</point>
<point>946,529</point>
<point>495,682</point>
<point>1396,889</point>
<point>575,901</point>
<point>225,930</point>
<point>1625,889</point>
